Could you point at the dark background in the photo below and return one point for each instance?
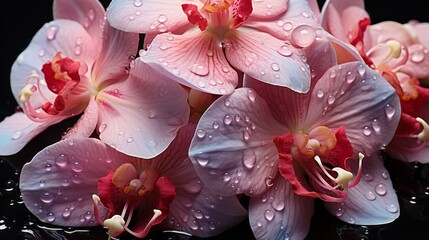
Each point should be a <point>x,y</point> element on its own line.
<point>22,19</point>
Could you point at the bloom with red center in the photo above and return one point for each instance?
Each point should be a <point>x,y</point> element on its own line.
<point>401,57</point>
<point>202,44</point>
<point>88,183</point>
<point>68,69</point>
<point>283,149</point>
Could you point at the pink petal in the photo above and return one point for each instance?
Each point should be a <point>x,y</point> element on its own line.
<point>57,185</point>
<point>17,130</point>
<point>422,30</point>
<point>298,16</point>
<point>140,115</point>
<point>118,50</point>
<point>86,124</point>
<point>232,149</point>
<point>267,59</point>
<point>408,149</point>
<point>280,213</point>
<point>268,9</point>
<point>373,201</point>
<point>89,13</point>
<point>387,30</point>
<point>356,97</point>
<point>147,16</point>
<point>193,59</point>
<point>56,36</point>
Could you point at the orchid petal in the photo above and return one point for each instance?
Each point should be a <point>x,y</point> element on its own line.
<point>17,130</point>
<point>268,10</point>
<point>384,31</point>
<point>56,36</point>
<point>418,62</point>
<point>120,48</point>
<point>298,13</point>
<point>195,60</point>
<point>148,16</point>
<point>267,59</point>
<point>86,124</point>
<point>58,184</point>
<point>373,200</point>
<point>280,213</point>
<point>232,149</point>
<point>141,117</point>
<point>422,30</point>
<point>358,98</point>
<point>89,13</point>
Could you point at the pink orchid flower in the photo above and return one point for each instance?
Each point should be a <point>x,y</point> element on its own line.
<point>284,149</point>
<point>78,63</point>
<point>203,43</point>
<point>89,183</point>
<point>400,54</point>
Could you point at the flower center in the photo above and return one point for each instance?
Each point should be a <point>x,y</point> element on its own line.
<point>316,163</point>
<point>127,191</point>
<point>61,76</point>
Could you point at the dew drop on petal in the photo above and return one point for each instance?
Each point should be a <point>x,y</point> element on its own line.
<point>361,70</point>
<point>50,217</point>
<point>48,167</point>
<point>331,99</point>
<point>199,70</point>
<point>77,167</point>
<point>259,224</point>
<point>417,57</point>
<point>66,214</point>
<point>227,119</point>
<point>130,140</point>
<point>203,161</point>
<point>390,111</point>
<point>42,183</point>
<point>303,36</point>
<point>368,177</point>
<point>287,26</point>
<point>62,160</point>
<point>350,77</point>
<point>251,95</point>
<point>269,215</point>
<point>392,208</point>
<point>138,3</point>
<point>226,177</point>
<point>249,159</point>
<point>47,197</point>
<point>278,205</point>
<point>340,211</point>
<point>370,195</point>
<point>376,125</point>
<point>385,174</point>
<point>102,128</point>
<point>367,131</point>
<point>51,33</point>
<point>215,125</point>
<point>320,93</point>
<point>201,133</point>
<point>381,189</point>
<point>152,143</point>
<point>275,67</point>
<point>162,18</point>
<point>17,135</point>
<point>285,50</point>
<point>269,181</point>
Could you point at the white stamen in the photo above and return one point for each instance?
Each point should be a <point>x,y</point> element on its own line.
<point>424,134</point>
<point>319,162</point>
<point>96,199</point>
<point>115,225</point>
<point>26,92</point>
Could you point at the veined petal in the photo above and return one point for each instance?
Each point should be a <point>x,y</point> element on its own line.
<point>193,59</point>
<point>373,200</point>
<point>65,36</point>
<point>232,149</point>
<point>267,59</point>
<point>283,26</point>
<point>280,213</point>
<point>140,115</point>
<point>17,130</point>
<point>119,48</point>
<point>57,185</point>
<point>408,149</point>
<point>418,62</point>
<point>358,98</point>
<point>422,30</point>
<point>148,16</point>
<point>86,124</point>
<point>89,13</point>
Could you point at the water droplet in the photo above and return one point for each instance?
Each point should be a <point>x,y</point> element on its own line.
<point>340,211</point>
<point>246,135</point>
<point>198,214</point>
<point>215,125</point>
<point>361,70</point>
<point>350,220</point>
<point>285,50</point>
<point>16,135</point>
<point>88,215</point>
<point>237,118</point>
<point>102,128</point>
<point>41,53</point>
<point>138,3</point>
<point>194,226</point>
<point>199,69</point>
<point>389,110</point>
<point>368,177</point>
<point>203,161</point>
<point>333,74</point>
<point>269,215</point>
<point>77,50</point>
<point>66,213</point>
<point>278,205</point>
<point>164,46</point>
<point>61,160</point>
<point>385,174</point>
<point>162,18</point>
<point>269,181</point>
<point>227,119</point>
<point>381,189</point>
<point>350,77</point>
<point>226,177</point>
<point>50,217</point>
<point>212,226</point>
<point>48,167</point>
<point>77,167</point>
<point>331,99</point>
<point>376,125</point>
<point>42,183</point>
<point>392,208</point>
<point>47,197</point>
<point>288,26</point>
<point>251,95</point>
<point>366,131</point>
<point>51,33</point>
<point>259,224</point>
<point>303,36</point>
<point>320,93</point>
<point>370,195</point>
<point>275,67</point>
<point>304,14</point>
<point>201,133</point>
<point>249,159</point>
<point>417,57</point>
<point>152,143</point>
<point>130,140</point>
<point>227,102</point>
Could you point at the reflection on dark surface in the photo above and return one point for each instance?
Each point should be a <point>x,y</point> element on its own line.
<point>411,181</point>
